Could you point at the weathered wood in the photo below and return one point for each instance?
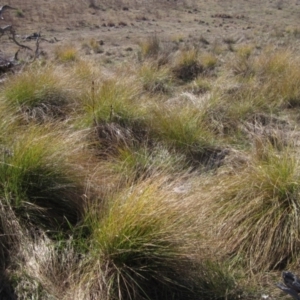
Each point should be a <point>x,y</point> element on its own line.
<point>13,37</point>
<point>7,64</point>
<point>4,29</point>
<point>291,285</point>
<point>4,8</point>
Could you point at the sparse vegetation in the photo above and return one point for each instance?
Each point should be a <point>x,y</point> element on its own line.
<point>67,53</point>
<point>96,46</point>
<point>150,47</point>
<point>19,13</point>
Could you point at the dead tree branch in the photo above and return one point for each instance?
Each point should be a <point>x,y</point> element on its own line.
<point>6,64</point>
<point>5,29</point>
<point>291,285</point>
<point>13,37</point>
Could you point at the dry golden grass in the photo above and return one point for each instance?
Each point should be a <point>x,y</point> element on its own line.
<point>140,164</point>
<point>255,211</point>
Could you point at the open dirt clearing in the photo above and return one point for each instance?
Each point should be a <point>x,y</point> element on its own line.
<point>120,25</point>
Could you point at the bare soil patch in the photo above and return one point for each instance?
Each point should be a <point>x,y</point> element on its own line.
<point>118,26</point>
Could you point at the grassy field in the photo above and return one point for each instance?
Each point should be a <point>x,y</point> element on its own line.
<point>150,151</point>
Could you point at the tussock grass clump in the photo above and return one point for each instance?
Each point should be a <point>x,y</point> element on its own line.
<point>147,245</point>
<point>272,76</point>
<point>155,80</point>
<point>66,53</point>
<point>122,121</point>
<point>39,191</point>
<point>208,60</point>
<point>243,62</point>
<point>188,66</point>
<point>150,47</point>
<point>139,163</point>
<point>111,138</point>
<point>272,63</point>
<point>36,181</point>
<point>143,246</point>
<point>114,100</point>
<point>245,50</point>
<point>258,208</point>
<point>85,72</point>
<point>156,50</point>
<point>116,116</point>
<point>199,86</point>
<point>180,126</point>
<point>39,93</point>
<point>231,108</point>
<point>185,129</point>
<point>281,76</point>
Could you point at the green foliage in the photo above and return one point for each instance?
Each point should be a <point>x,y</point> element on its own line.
<point>113,100</point>
<point>183,128</point>
<point>39,93</point>
<point>33,87</point>
<point>34,180</point>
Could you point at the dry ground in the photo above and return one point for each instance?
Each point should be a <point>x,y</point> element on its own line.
<point>121,24</point>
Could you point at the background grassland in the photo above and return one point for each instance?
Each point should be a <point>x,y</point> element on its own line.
<point>163,166</point>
